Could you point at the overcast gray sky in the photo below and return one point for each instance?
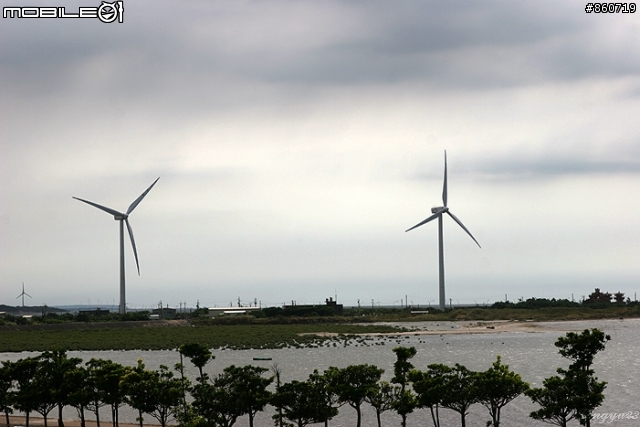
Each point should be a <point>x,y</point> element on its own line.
<point>295,141</point>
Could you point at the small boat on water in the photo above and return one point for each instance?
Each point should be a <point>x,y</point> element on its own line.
<point>262,358</point>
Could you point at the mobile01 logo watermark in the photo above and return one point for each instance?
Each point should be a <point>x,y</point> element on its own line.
<point>106,12</point>
<point>610,417</point>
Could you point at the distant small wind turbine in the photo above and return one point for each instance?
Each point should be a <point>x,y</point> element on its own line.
<point>123,218</point>
<point>437,213</point>
<point>23,294</point>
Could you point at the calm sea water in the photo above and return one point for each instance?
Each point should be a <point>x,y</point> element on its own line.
<point>531,354</point>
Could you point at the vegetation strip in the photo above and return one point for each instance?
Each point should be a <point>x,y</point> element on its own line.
<point>236,337</point>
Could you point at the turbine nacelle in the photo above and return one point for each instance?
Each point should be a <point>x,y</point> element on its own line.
<point>120,217</point>
<point>439,208</point>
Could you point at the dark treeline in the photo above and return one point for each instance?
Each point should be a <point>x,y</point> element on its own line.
<point>53,380</point>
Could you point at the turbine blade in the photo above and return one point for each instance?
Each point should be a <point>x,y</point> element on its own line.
<point>139,199</point>
<point>133,244</point>
<point>444,187</point>
<point>434,216</point>
<point>463,227</point>
<point>28,295</point>
<point>104,208</point>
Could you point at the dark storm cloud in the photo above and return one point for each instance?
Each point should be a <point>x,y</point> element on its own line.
<point>187,52</point>
<point>467,45</point>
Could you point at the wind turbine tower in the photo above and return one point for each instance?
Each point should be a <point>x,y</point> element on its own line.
<point>438,212</point>
<point>23,294</point>
<point>124,219</point>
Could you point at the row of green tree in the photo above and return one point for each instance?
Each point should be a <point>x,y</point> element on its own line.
<point>52,317</point>
<point>596,299</point>
<point>53,380</point>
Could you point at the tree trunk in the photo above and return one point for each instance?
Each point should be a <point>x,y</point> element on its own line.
<point>140,419</point>
<point>495,415</point>
<point>97,415</point>
<point>359,415</point>
<point>60,422</point>
<point>378,417</point>
<point>82,422</point>
<point>114,414</point>
<point>434,417</point>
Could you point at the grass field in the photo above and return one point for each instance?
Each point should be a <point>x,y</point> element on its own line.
<point>170,337</point>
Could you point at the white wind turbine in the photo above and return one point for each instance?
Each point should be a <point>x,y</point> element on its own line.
<point>437,213</point>
<point>123,218</point>
<point>23,294</point>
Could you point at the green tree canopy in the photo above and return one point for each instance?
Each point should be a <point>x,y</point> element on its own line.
<point>27,395</point>
<point>428,387</point>
<point>6,384</point>
<point>498,386</point>
<point>249,388</point>
<point>353,384</point>
<point>382,398</point>
<point>199,354</point>
<point>79,391</point>
<point>106,376</point>
<point>556,399</point>
<point>582,348</point>
<point>54,365</point>
<point>459,390</point>
<point>406,400</point>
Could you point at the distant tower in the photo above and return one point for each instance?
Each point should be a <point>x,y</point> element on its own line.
<point>23,294</point>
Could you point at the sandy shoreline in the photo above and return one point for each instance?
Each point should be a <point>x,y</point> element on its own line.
<point>465,327</point>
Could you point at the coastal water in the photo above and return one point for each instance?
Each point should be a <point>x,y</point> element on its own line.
<point>531,354</point>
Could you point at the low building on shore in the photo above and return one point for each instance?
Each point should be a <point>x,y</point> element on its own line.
<point>230,311</point>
